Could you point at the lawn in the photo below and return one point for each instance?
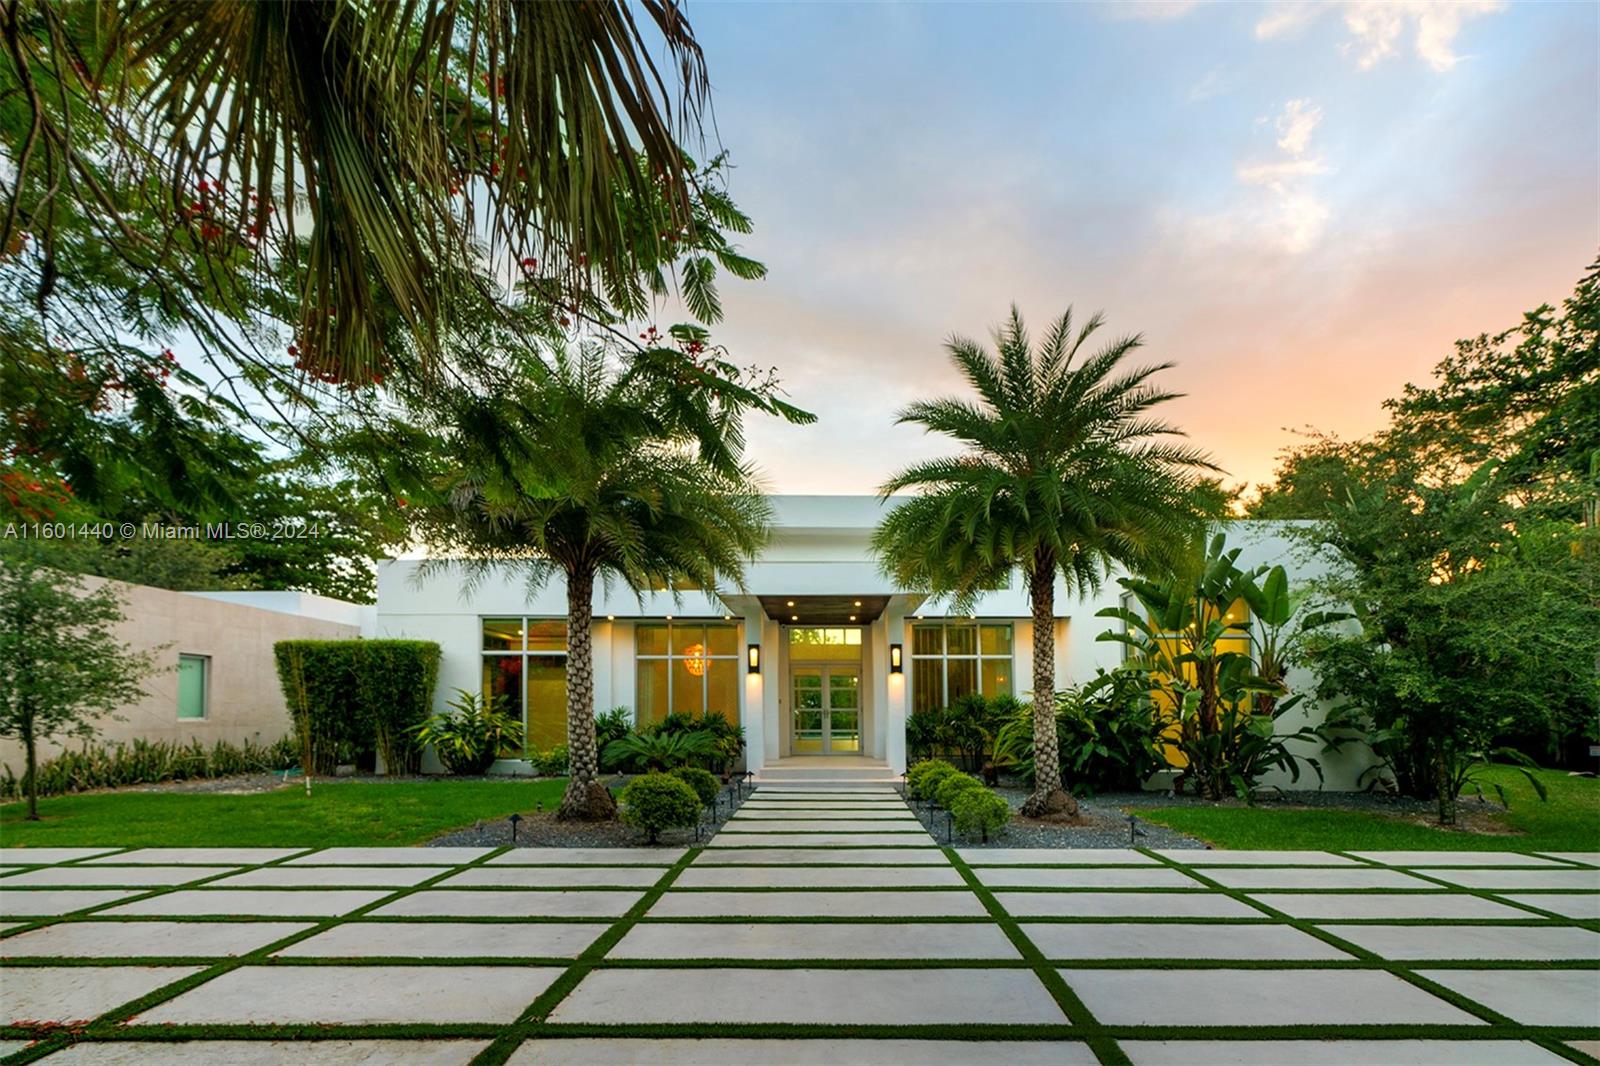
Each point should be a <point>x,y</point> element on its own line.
<point>336,813</point>
<point>1569,821</point>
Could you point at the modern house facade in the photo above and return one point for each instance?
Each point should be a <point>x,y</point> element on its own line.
<point>818,655</point>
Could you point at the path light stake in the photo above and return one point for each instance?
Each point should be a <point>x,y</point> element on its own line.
<point>949,828</point>
<point>514,820</point>
<point>1134,832</point>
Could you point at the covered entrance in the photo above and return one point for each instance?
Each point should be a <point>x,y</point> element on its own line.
<point>825,690</point>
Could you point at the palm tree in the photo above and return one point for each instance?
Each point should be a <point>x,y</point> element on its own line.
<point>588,472</point>
<point>1064,472</point>
<point>362,149</point>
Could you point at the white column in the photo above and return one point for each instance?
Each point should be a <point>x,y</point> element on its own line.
<point>753,713</point>
<point>894,704</point>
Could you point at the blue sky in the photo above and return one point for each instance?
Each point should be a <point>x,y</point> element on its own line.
<point>1303,206</point>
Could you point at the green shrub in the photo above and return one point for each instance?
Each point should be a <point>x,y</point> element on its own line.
<point>659,801</point>
<point>977,810</point>
<point>917,772</point>
<point>149,762</point>
<point>611,726</point>
<point>1107,733</point>
<point>471,734</point>
<point>659,751</point>
<point>552,763</point>
<point>704,783</point>
<point>364,694</point>
<point>936,772</point>
<point>727,739</point>
<point>952,786</point>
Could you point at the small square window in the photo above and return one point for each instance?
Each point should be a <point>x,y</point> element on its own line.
<point>194,684</point>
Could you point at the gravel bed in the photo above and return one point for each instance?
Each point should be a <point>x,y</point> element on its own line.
<point>541,829</point>
<point>1099,825</point>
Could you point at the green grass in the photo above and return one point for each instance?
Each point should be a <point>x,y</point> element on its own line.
<point>1570,821</point>
<point>336,813</point>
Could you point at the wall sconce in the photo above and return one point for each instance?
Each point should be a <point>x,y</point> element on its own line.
<point>895,666</point>
<point>753,658</point>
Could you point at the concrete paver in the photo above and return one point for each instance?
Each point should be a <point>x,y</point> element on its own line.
<point>327,995</point>
<point>112,939</point>
<point>860,997</point>
<point>65,994</point>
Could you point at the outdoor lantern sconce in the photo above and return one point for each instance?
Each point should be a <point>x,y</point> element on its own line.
<point>895,666</point>
<point>753,658</point>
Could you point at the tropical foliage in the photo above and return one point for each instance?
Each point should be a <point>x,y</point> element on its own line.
<point>472,732</point>
<point>1107,730</point>
<point>1193,643</point>
<point>149,762</point>
<point>1065,471</point>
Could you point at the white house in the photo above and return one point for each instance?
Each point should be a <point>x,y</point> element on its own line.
<point>819,655</point>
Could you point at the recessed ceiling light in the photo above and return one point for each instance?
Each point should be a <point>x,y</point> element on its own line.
<point>794,618</point>
<point>852,618</point>
<point>858,603</point>
<point>726,617</point>
<point>789,604</point>
<point>611,618</point>
<point>669,618</point>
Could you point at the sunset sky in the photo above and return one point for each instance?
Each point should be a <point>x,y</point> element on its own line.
<point>1303,206</point>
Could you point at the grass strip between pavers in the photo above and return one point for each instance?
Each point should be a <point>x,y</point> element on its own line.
<point>539,1010</point>
<point>1105,1049</point>
<point>112,1021</point>
<point>1401,970</point>
<point>533,1024</point>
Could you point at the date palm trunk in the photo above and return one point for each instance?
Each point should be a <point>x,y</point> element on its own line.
<point>587,798</point>
<point>1048,798</point>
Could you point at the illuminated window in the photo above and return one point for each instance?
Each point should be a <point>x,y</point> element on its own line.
<point>954,659</point>
<point>525,661</point>
<point>686,668</point>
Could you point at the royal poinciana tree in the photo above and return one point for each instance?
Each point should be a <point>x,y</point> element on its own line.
<point>61,664</point>
<point>585,471</point>
<point>1064,473</point>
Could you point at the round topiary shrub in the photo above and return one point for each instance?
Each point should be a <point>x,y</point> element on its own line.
<point>977,810</point>
<point>659,801</point>
<point>952,786</point>
<point>704,783</point>
<point>928,784</point>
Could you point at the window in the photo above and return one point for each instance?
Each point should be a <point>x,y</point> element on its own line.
<point>687,668</point>
<point>953,659</point>
<point>194,685</point>
<point>525,661</point>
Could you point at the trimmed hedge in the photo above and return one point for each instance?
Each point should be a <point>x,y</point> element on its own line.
<point>924,778</point>
<point>358,692</point>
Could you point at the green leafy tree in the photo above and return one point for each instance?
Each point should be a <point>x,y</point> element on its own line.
<point>61,664</point>
<point>1065,472</point>
<point>584,471</point>
<point>1477,620</point>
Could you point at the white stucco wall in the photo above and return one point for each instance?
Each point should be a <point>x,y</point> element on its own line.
<point>245,701</point>
<point>820,547</point>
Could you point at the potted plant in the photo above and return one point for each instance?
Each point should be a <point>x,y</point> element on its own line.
<point>472,733</point>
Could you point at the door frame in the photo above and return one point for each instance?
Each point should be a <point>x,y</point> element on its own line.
<point>826,668</point>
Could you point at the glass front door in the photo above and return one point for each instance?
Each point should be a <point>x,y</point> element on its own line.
<point>825,710</point>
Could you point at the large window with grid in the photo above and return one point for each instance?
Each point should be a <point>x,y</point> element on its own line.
<point>952,659</point>
<point>686,668</point>
<point>525,662</point>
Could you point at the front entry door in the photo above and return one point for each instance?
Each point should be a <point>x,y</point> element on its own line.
<point>825,709</point>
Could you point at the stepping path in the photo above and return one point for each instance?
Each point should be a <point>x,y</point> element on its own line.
<point>833,911</point>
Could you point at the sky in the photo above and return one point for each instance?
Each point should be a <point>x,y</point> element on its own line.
<point>1302,206</point>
